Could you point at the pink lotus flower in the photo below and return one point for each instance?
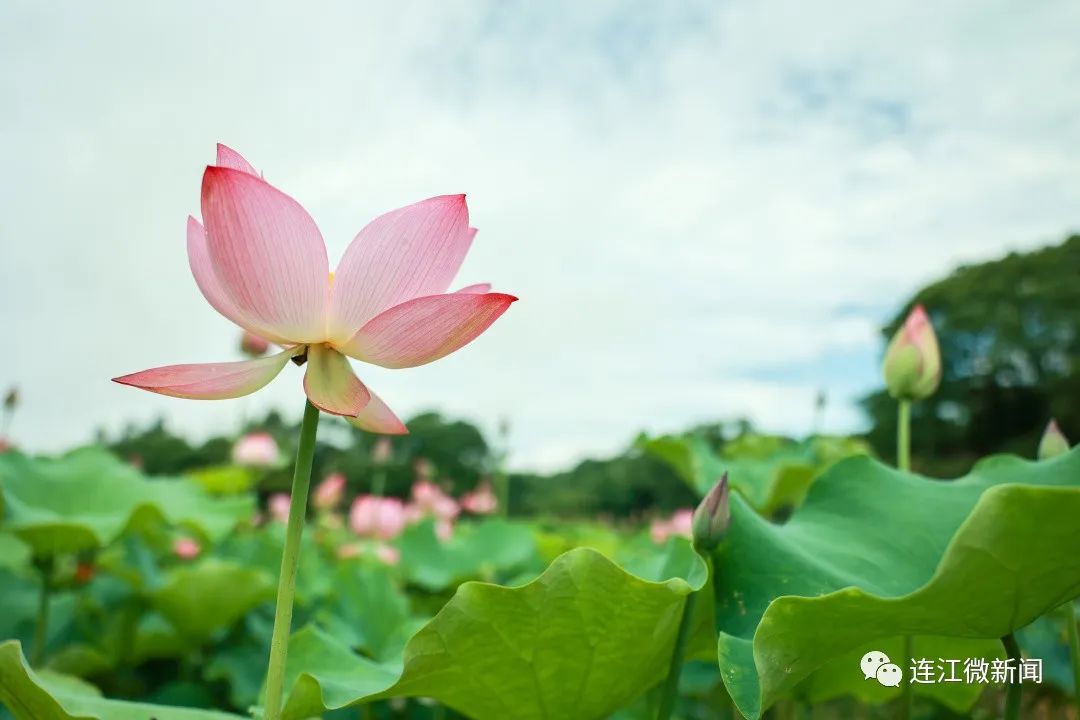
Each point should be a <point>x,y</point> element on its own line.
<point>481,501</point>
<point>330,492</point>
<point>253,345</point>
<point>680,523</point>
<point>186,549</point>
<point>429,499</point>
<point>349,550</point>
<point>278,506</point>
<point>379,517</point>
<point>261,262</point>
<point>257,449</point>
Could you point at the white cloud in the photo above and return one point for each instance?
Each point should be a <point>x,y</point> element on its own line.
<point>680,193</point>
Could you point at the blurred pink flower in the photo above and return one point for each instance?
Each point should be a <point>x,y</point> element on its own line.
<point>261,262</point>
<point>257,449</point>
<point>186,549</point>
<point>382,452</point>
<point>349,550</point>
<point>379,517</point>
<point>278,506</point>
<point>252,345</point>
<point>429,499</point>
<point>387,553</point>
<point>6,445</point>
<point>680,523</point>
<point>481,501</point>
<point>330,492</point>
<point>444,529</point>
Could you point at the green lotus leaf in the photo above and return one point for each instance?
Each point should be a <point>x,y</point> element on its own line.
<point>224,479</point>
<point>771,474</point>
<point>480,550</point>
<point>86,499</point>
<point>367,610</point>
<point>875,554</point>
<point>230,588</point>
<point>580,641</point>
<point>29,696</point>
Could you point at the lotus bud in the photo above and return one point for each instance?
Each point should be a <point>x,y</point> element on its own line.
<point>712,517</point>
<point>257,449</point>
<point>330,492</point>
<point>913,359</point>
<point>186,549</point>
<point>1053,442</point>
<point>252,345</point>
<point>382,452</point>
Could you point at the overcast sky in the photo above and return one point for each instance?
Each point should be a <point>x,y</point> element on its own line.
<point>707,209</point>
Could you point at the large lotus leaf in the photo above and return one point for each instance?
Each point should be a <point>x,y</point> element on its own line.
<point>224,479</point>
<point>30,697</point>
<point>580,641</point>
<point>211,595</point>
<point>367,610</point>
<point>14,553</point>
<point>768,483</point>
<point>87,498</point>
<point>262,548</point>
<point>875,554</point>
<point>482,550</point>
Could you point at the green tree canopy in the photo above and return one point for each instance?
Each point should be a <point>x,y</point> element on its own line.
<point>1010,340</point>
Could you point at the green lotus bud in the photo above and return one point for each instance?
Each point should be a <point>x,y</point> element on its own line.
<point>1053,442</point>
<point>913,360</point>
<point>712,517</point>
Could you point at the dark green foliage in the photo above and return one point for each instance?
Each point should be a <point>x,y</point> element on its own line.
<point>1010,340</point>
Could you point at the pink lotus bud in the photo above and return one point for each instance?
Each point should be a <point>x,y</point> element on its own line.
<point>257,449</point>
<point>379,517</point>
<point>5,445</point>
<point>659,530</point>
<point>253,345</point>
<point>279,506</point>
<point>1053,442</point>
<point>330,492</point>
<point>383,451</point>
<point>186,549</point>
<point>481,501</point>
<point>712,517</point>
<point>431,500</point>
<point>912,364</point>
<point>388,554</point>
<point>11,399</point>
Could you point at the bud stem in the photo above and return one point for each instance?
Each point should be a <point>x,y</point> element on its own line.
<point>903,436</point>
<point>1013,690</point>
<point>671,684</point>
<point>903,463</point>
<point>290,559</point>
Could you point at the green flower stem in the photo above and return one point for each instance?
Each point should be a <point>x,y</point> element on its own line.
<point>290,558</point>
<point>1013,690</point>
<point>671,684</point>
<point>1074,649</point>
<point>378,482</point>
<point>41,626</point>
<point>903,437</point>
<point>903,463</point>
